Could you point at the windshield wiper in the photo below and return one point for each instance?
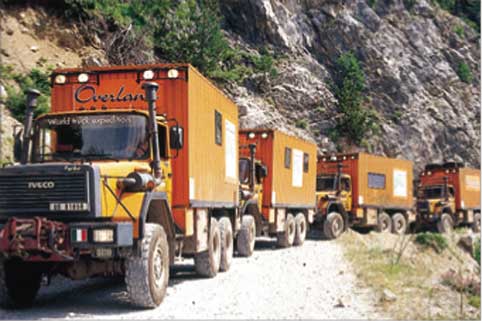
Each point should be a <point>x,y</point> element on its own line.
<point>90,157</point>
<point>53,156</point>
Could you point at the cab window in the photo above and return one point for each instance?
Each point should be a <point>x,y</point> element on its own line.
<point>162,134</point>
<point>345,184</point>
<point>244,170</point>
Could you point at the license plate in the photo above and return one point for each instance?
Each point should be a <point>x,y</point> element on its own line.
<point>69,207</point>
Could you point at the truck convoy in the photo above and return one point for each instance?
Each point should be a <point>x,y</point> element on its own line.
<point>448,195</point>
<point>133,166</point>
<point>277,175</point>
<point>365,191</point>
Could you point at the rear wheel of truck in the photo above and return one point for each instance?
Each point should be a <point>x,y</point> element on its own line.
<point>246,236</point>
<point>287,237</point>
<point>207,262</point>
<point>384,223</point>
<point>445,224</point>
<point>399,224</point>
<point>300,225</point>
<point>333,225</point>
<point>19,284</point>
<point>147,274</point>
<point>226,244</point>
<point>476,223</point>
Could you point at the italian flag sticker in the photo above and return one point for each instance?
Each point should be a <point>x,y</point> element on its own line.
<point>79,235</point>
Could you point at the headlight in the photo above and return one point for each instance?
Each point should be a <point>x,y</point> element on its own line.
<point>83,77</point>
<point>104,236</point>
<point>60,79</point>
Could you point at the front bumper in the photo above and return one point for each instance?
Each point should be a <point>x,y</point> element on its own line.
<point>40,239</point>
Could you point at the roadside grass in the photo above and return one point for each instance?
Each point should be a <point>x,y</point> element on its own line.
<point>412,270</point>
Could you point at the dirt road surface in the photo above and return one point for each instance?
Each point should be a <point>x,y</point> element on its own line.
<point>313,281</point>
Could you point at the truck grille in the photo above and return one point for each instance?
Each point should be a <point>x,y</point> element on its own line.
<point>423,206</point>
<point>36,193</point>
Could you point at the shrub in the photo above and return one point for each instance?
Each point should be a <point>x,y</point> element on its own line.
<point>17,99</point>
<point>302,123</point>
<point>461,283</point>
<point>464,73</point>
<point>459,30</point>
<point>356,120</point>
<point>468,10</point>
<point>433,240</point>
<point>477,250</point>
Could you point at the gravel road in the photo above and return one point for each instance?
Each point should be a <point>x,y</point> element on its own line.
<point>309,282</point>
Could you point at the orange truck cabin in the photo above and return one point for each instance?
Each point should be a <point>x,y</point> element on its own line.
<point>364,190</point>
<point>448,195</point>
<point>288,189</point>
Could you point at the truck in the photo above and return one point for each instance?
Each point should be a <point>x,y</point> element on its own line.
<point>363,190</point>
<point>448,195</point>
<point>277,175</point>
<point>133,168</point>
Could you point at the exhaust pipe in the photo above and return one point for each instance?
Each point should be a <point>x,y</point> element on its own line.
<point>150,89</point>
<point>252,152</point>
<point>32,95</point>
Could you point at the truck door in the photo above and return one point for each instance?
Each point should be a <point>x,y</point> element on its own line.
<point>346,197</point>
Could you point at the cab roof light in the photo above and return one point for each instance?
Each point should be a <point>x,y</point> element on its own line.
<point>172,73</point>
<point>251,135</point>
<point>148,74</point>
<point>264,135</point>
<point>83,77</point>
<point>60,79</point>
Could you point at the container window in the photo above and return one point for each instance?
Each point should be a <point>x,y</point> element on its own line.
<point>218,125</point>
<point>287,157</point>
<point>306,162</point>
<point>376,180</point>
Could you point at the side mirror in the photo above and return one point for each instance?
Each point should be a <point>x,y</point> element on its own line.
<point>176,137</point>
<point>17,146</point>
<point>261,171</point>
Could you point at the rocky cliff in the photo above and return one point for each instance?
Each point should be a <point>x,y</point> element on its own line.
<point>410,51</point>
<point>410,55</point>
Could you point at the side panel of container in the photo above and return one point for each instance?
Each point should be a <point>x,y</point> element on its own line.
<point>385,182</point>
<point>213,145</point>
<point>293,186</point>
<point>469,189</point>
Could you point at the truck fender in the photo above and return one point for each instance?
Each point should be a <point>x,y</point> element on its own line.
<point>249,203</point>
<point>155,209</point>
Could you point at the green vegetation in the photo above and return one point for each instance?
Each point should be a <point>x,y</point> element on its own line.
<point>177,31</point>
<point>434,240</point>
<point>468,10</point>
<point>17,100</point>
<point>409,4</point>
<point>474,300</point>
<point>464,73</point>
<point>357,121</point>
<point>302,123</point>
<point>459,30</point>
<point>372,3</point>
<point>477,250</point>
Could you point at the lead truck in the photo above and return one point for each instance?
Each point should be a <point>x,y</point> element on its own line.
<point>133,167</point>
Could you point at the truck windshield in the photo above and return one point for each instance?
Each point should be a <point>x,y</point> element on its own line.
<point>325,183</point>
<point>436,192</point>
<point>99,136</point>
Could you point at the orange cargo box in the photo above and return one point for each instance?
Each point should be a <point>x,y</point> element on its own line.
<point>291,164</point>
<point>466,183</point>
<point>205,173</point>
<point>378,182</point>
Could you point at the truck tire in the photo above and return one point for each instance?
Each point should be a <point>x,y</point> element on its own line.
<point>445,224</point>
<point>399,224</point>
<point>226,231</point>
<point>207,262</point>
<point>301,227</point>
<point>246,236</point>
<point>287,237</point>
<point>19,285</point>
<point>476,223</point>
<point>384,223</point>
<point>147,274</point>
<point>333,225</point>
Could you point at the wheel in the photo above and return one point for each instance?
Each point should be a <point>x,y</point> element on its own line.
<point>246,236</point>
<point>399,224</point>
<point>333,225</point>
<point>384,223</point>
<point>445,224</point>
<point>226,232</point>
<point>300,229</point>
<point>147,274</point>
<point>207,262</point>
<point>19,284</point>
<point>476,223</point>
<point>287,237</point>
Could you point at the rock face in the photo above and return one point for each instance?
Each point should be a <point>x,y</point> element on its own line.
<point>410,58</point>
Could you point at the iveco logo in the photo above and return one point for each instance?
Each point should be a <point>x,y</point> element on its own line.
<point>41,185</point>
